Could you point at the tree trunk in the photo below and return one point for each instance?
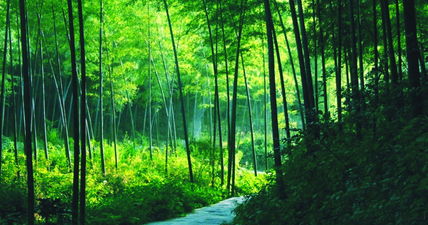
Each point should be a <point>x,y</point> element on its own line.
<point>171,105</point>
<point>307,61</point>
<point>375,61</point>
<point>113,120</point>
<point>339,64</point>
<point>315,40</point>
<point>14,108</point>
<point>2,95</point>
<point>21,78</point>
<point>348,85</point>
<point>33,114</point>
<point>232,137</point>
<point>229,168</point>
<point>42,70</point>
<point>169,129</point>
<point>27,104</point>
<point>356,100</point>
<point>412,51</point>
<point>216,92</point>
<point>387,23</point>
<point>307,89</point>
<point>290,56</point>
<point>63,118</point>
<point>131,116</point>
<point>324,70</point>
<point>180,87</point>
<point>150,86</point>
<point>250,116</point>
<point>360,50</point>
<point>283,91</point>
<point>83,115</point>
<point>272,89</point>
<point>220,131</point>
<point>75,107</point>
<point>88,139</point>
<point>101,81</point>
<point>265,105</point>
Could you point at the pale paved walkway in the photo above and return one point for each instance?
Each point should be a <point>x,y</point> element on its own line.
<point>216,214</point>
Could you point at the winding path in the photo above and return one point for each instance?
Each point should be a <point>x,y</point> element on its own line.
<point>216,214</point>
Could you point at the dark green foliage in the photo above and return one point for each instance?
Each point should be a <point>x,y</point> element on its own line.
<point>12,207</point>
<point>53,211</point>
<point>378,179</point>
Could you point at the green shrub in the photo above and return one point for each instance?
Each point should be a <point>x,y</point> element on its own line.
<point>350,180</point>
<point>12,203</point>
<point>138,191</point>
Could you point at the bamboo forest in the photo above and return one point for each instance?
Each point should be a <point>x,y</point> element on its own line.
<point>245,112</point>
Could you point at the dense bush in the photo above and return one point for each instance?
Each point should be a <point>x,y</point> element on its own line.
<point>379,179</point>
<point>12,203</point>
<point>155,201</point>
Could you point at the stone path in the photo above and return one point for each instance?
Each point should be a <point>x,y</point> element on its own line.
<point>216,214</point>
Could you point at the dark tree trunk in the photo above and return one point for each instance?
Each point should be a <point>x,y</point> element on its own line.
<point>264,105</point>
<point>272,90</point>
<point>385,54</point>
<point>308,96</point>
<point>75,108</point>
<point>2,95</point>
<point>412,55</point>
<point>387,23</point>
<point>315,40</point>
<point>180,87</point>
<point>27,105</point>
<point>398,27</point>
<point>324,70</point>
<point>339,63</point>
<point>218,114</point>
<point>83,115</point>
<point>283,91</point>
<point>360,49</point>
<point>307,89</point>
<point>290,56</point>
<point>216,92</point>
<point>348,85</point>
<point>21,78</point>
<point>375,62</point>
<point>14,108</point>
<point>356,103</point>
<point>307,63</point>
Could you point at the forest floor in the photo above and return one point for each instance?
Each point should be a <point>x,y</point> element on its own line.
<point>216,214</point>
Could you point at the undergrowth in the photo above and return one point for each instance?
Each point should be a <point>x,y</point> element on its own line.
<point>375,178</point>
<point>139,191</point>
